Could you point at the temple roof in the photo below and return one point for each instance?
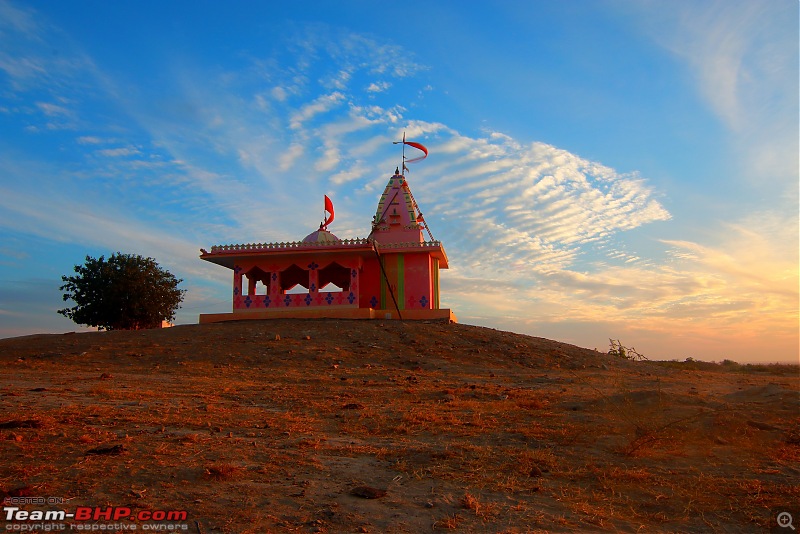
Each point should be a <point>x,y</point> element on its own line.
<point>228,255</point>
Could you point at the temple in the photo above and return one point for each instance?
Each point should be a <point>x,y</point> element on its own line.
<point>391,274</point>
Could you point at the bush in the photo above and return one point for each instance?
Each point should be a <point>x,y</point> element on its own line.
<point>617,349</point>
<point>125,292</point>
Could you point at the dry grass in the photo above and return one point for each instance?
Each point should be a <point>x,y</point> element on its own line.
<point>223,471</point>
<point>464,429</point>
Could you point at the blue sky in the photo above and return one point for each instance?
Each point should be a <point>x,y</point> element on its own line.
<point>597,169</point>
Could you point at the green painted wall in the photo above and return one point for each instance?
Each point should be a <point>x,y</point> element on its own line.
<point>401,282</point>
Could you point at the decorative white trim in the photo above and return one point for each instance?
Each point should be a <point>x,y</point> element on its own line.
<point>293,245</point>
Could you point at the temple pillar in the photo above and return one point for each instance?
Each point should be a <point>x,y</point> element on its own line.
<point>251,285</point>
<point>313,280</point>
<point>237,280</point>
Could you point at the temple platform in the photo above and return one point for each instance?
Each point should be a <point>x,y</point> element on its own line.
<point>322,313</point>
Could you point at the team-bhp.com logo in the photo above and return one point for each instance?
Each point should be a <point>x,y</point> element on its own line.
<point>94,518</point>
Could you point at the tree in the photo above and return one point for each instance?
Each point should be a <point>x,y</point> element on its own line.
<point>125,292</point>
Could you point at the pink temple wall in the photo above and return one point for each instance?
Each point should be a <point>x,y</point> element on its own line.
<point>414,291</point>
<point>411,277</point>
<point>245,298</point>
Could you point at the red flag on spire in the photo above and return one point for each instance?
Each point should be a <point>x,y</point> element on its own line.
<point>329,209</point>
<point>418,146</point>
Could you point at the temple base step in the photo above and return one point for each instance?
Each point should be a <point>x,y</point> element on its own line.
<point>345,313</point>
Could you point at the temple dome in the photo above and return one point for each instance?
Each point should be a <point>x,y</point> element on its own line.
<point>320,236</point>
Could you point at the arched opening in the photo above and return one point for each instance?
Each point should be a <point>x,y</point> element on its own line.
<point>259,280</point>
<point>292,277</point>
<point>334,277</point>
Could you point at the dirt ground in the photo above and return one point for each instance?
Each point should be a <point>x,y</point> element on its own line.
<point>367,426</point>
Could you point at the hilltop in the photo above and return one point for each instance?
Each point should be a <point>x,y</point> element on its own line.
<point>366,426</point>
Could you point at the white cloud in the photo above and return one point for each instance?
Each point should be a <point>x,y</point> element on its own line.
<point>378,87</point>
<point>321,105</point>
<point>18,20</point>
<point>90,140</point>
<point>537,205</point>
<point>54,110</point>
<point>280,94</point>
<point>339,81</point>
<point>744,57</point>
<point>118,152</point>
<point>356,172</point>
<point>288,158</point>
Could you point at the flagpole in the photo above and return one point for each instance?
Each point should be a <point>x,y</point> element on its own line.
<point>403,168</point>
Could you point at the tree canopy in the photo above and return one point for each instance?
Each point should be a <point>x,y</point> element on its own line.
<point>125,292</point>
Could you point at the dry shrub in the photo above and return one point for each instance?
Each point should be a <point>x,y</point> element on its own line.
<point>222,471</point>
<point>531,462</point>
<point>532,403</point>
<point>470,503</point>
<point>449,522</point>
<point>188,439</point>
